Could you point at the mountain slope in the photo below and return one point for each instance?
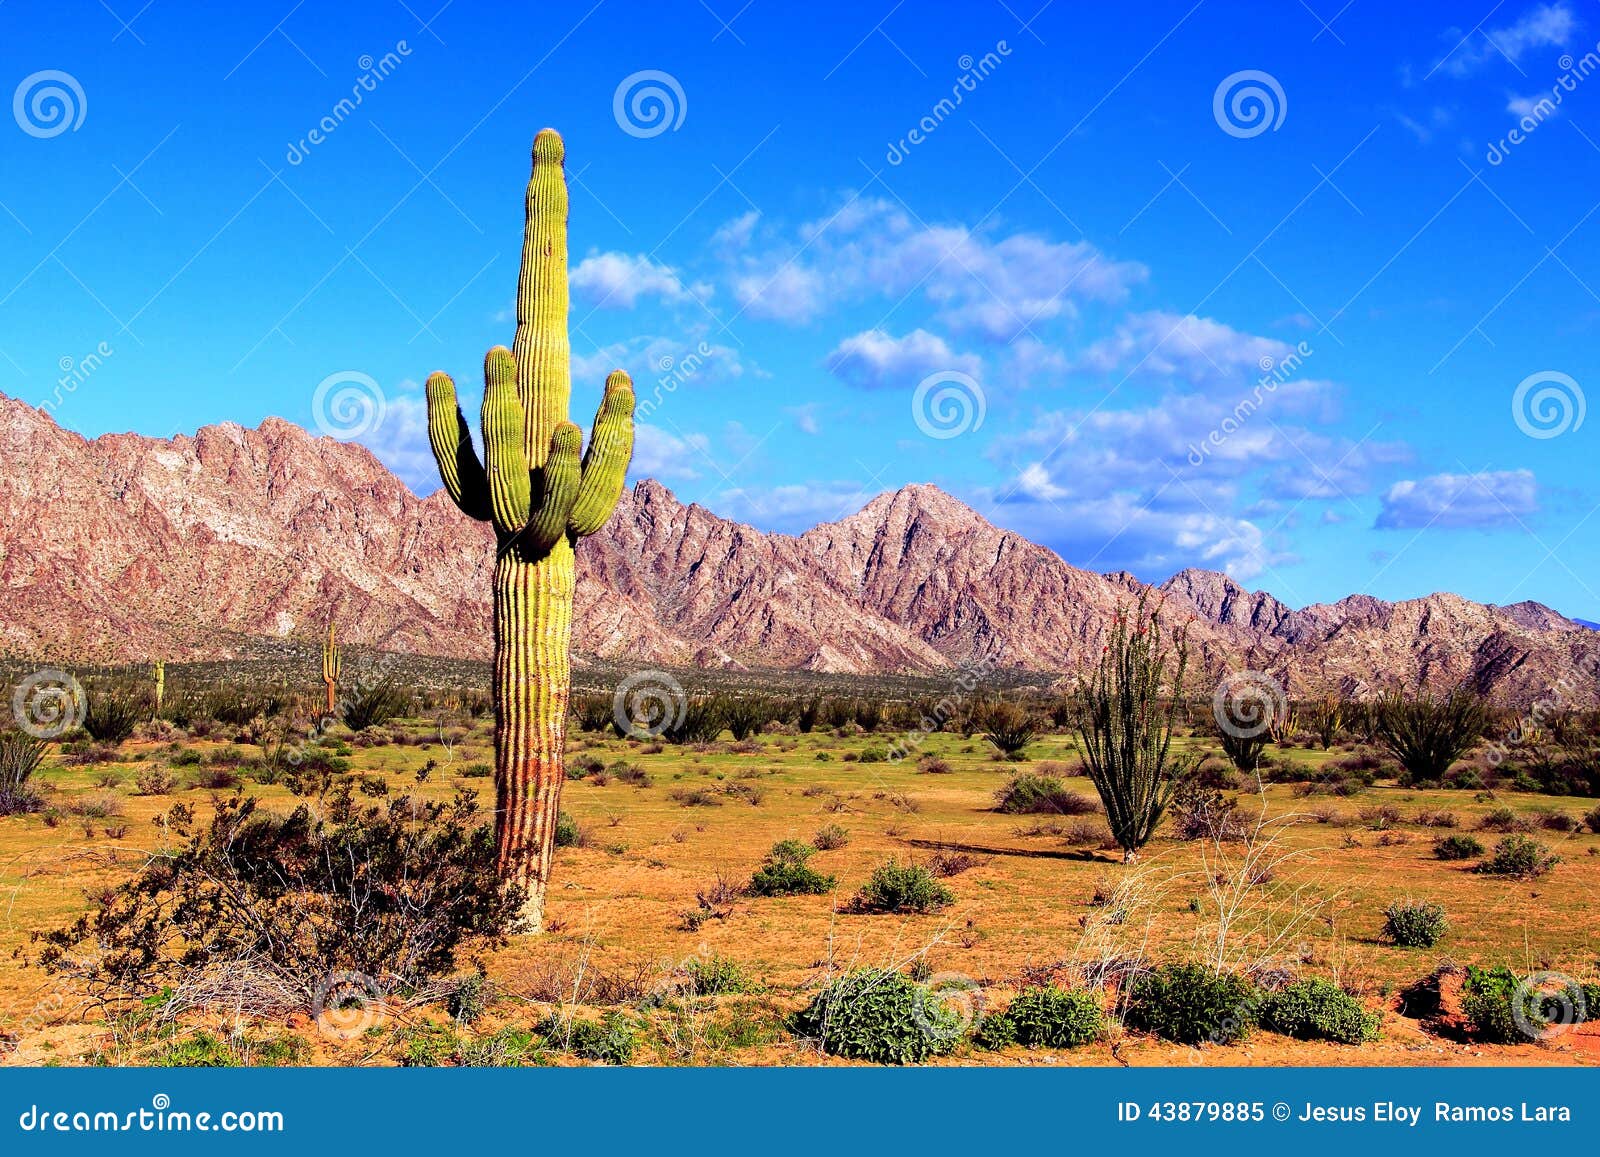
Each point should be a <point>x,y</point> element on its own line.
<point>127,547</point>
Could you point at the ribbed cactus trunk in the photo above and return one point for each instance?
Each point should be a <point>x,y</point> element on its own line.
<point>541,497</point>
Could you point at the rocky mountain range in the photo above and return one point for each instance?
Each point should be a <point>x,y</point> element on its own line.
<point>127,547</point>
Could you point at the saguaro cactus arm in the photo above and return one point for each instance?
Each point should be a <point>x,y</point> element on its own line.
<point>503,421</point>
<point>459,469</point>
<point>605,464</point>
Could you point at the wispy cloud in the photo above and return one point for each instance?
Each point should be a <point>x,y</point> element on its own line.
<point>1460,501</point>
<point>1549,25</point>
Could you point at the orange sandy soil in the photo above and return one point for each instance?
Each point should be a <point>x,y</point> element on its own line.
<point>616,907</point>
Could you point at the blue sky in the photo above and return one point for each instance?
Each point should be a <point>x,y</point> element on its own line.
<point>1331,337</point>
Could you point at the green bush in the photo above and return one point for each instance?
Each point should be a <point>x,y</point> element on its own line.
<point>568,832</point>
<point>20,756</point>
<point>1520,857</point>
<point>1457,848</point>
<point>1191,1003</point>
<point>718,976</point>
<point>611,1041</point>
<point>994,1032</point>
<point>786,873</point>
<point>1487,1000</point>
<point>904,888</point>
<point>1414,924</point>
<point>881,1016</point>
<point>1318,1010</point>
<point>1029,794</point>
<point>1053,1017</point>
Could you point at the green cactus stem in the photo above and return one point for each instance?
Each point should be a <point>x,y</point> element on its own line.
<point>332,663</point>
<point>541,497</point>
<point>160,670</point>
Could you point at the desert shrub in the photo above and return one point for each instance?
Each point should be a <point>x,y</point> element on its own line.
<point>373,705</point>
<point>1556,821</point>
<point>1457,848</point>
<point>1318,1010</point>
<point>873,755</point>
<point>111,713</point>
<point>1380,818</point>
<point>1009,728</point>
<point>1028,794</point>
<point>612,1040</point>
<point>507,1048</point>
<point>1426,735</point>
<point>1201,813</point>
<point>1124,714</point>
<point>20,756</point>
<point>1503,819</point>
<point>468,998</point>
<point>786,873</point>
<point>569,833</point>
<point>894,887</point>
<point>1520,857</point>
<point>216,778</point>
<point>155,781</point>
<point>699,721</point>
<point>1492,999</point>
<point>718,976</point>
<point>933,765</point>
<point>1052,1017</point>
<point>1243,749</point>
<point>695,797</point>
<point>880,1016</point>
<point>829,837</point>
<point>394,893</point>
<point>1192,1003</point>
<point>1430,818</point>
<point>744,716</point>
<point>1414,923</point>
<point>593,712</point>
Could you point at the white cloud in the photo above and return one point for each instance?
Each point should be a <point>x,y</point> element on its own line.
<point>1538,107</point>
<point>791,509</point>
<point>659,454</point>
<point>1546,26</point>
<point>876,360</point>
<point>659,364</point>
<point>1198,350</point>
<point>1456,501</point>
<point>994,287</point>
<point>616,280</point>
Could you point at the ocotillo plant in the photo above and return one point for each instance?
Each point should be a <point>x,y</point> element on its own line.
<point>332,663</point>
<point>1125,713</point>
<point>541,498</point>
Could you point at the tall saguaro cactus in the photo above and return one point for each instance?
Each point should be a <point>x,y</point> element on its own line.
<point>541,498</point>
<point>160,672</point>
<point>332,663</point>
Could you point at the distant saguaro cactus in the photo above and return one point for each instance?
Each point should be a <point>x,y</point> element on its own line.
<point>161,683</point>
<point>332,663</point>
<point>541,498</point>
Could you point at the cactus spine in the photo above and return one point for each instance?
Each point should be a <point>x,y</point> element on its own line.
<point>332,662</point>
<point>541,498</point>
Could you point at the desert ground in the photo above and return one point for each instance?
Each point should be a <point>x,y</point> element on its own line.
<point>650,925</point>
